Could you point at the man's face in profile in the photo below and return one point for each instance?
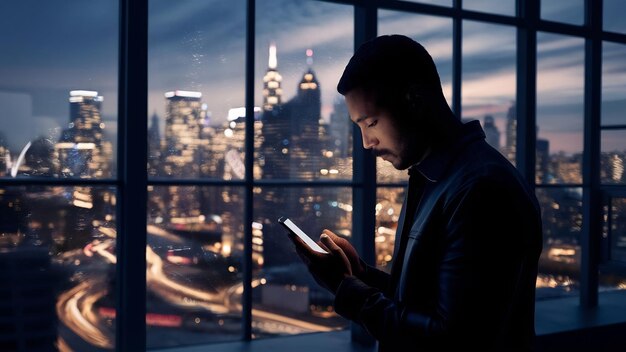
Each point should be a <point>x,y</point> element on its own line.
<point>380,131</point>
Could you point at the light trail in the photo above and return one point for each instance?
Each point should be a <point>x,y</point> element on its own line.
<point>69,312</point>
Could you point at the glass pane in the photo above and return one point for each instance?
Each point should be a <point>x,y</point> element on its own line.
<point>560,108</point>
<point>286,298</point>
<point>613,156</point>
<point>613,84</point>
<point>194,256</point>
<point>302,49</point>
<point>614,15</point>
<point>196,89</point>
<point>559,264</point>
<point>57,268</point>
<point>571,11</point>
<point>501,7</point>
<point>489,85</point>
<point>615,233</point>
<point>435,34</point>
<point>58,92</point>
<point>388,206</point>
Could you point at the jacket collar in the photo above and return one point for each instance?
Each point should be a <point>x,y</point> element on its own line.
<point>435,165</point>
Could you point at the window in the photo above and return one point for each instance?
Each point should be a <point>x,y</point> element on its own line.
<point>243,125</point>
<point>58,165</point>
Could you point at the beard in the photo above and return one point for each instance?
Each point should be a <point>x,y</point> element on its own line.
<point>408,154</point>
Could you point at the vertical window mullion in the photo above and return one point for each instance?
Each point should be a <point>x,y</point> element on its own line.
<point>364,167</point>
<point>526,104</point>
<point>592,202</point>
<point>457,51</point>
<point>249,175</point>
<point>132,177</point>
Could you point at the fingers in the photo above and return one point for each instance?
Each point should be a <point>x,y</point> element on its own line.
<point>329,243</point>
<point>331,234</point>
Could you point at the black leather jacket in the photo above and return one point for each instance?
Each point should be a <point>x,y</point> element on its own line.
<point>465,267</point>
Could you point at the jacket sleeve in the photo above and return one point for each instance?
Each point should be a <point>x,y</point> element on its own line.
<point>375,277</point>
<point>476,275</point>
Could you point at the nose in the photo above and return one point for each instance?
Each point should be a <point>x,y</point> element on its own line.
<point>368,141</point>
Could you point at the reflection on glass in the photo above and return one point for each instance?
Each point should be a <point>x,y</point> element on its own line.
<point>194,256</point>
<point>59,106</point>
<point>613,12</point>
<point>196,89</point>
<point>613,84</point>
<point>57,268</point>
<point>488,89</point>
<point>560,97</point>
<point>286,298</point>
<point>388,206</point>
<point>304,129</point>
<point>613,156</point>
<point>615,233</point>
<point>559,264</point>
<point>501,7</point>
<point>571,11</point>
<point>435,34</point>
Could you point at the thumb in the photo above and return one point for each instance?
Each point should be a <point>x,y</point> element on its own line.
<point>329,243</point>
<point>331,234</point>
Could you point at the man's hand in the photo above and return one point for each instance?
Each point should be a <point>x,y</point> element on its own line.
<point>327,269</point>
<point>358,267</point>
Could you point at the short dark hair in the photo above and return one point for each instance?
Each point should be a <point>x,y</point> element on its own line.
<point>389,66</point>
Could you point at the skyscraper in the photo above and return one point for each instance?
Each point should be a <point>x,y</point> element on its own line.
<point>511,134</point>
<point>291,147</point>
<point>184,113</point>
<point>81,150</point>
<point>542,157</point>
<point>272,92</point>
<point>154,146</point>
<point>184,118</point>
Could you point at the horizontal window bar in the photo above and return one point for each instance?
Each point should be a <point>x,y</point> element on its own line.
<point>560,185</point>
<point>27,181</point>
<point>392,184</point>
<point>613,127</point>
<point>255,183</point>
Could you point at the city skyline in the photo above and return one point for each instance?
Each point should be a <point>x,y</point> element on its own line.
<point>186,57</point>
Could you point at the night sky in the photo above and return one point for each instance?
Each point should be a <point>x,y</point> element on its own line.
<point>51,47</point>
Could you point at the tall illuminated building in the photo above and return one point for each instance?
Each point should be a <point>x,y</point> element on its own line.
<point>542,160</point>
<point>81,150</point>
<point>511,134</point>
<point>154,146</point>
<point>227,162</point>
<point>291,146</point>
<point>184,116</point>
<point>184,113</point>
<point>272,92</point>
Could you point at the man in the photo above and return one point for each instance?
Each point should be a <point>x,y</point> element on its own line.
<point>469,236</point>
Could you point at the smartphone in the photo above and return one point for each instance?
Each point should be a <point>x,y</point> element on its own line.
<point>291,227</point>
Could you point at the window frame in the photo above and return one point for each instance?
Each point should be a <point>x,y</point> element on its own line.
<point>132,145</point>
